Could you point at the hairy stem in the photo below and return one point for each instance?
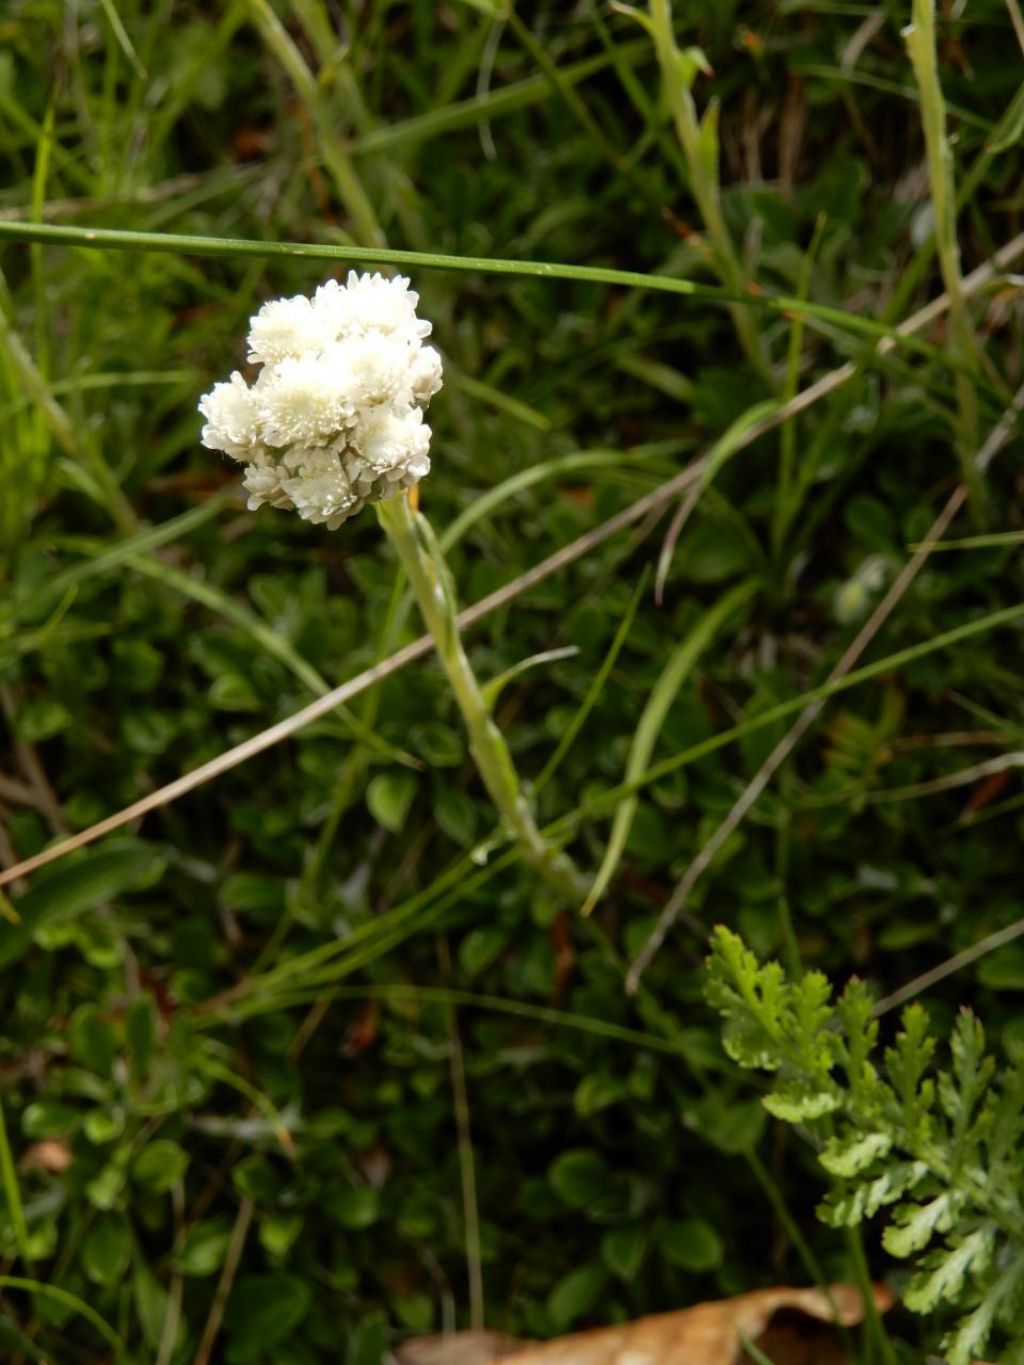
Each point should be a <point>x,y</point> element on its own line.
<point>421,557</point>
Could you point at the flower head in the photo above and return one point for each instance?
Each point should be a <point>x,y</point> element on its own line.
<point>334,419</point>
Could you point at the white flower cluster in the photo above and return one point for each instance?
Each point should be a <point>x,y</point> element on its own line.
<point>334,419</point>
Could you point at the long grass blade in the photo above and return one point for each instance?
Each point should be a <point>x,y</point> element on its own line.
<point>66,1300</point>
<point>12,1194</point>
<point>679,667</point>
<point>117,239</point>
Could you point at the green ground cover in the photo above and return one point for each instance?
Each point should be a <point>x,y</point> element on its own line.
<point>307,1060</point>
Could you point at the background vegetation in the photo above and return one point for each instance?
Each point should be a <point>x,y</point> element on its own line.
<point>288,1069</point>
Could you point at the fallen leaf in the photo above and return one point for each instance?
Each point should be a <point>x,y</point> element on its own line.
<point>706,1334</point>
<point>464,1348</point>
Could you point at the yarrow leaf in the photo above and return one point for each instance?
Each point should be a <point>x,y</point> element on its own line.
<point>853,1156</point>
<point>951,1139</point>
<point>944,1283</point>
<point>914,1225</point>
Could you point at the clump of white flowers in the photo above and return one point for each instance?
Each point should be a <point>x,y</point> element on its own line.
<point>334,419</point>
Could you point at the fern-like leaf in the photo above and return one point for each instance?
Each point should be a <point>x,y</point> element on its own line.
<point>943,1148</point>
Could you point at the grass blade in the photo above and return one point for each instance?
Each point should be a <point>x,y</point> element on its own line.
<point>12,1194</point>
<point>66,1300</point>
<point>675,673</point>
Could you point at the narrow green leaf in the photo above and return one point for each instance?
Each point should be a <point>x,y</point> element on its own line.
<point>75,886</point>
<point>492,690</point>
<point>66,1300</point>
<point>677,670</point>
<point>12,1194</point>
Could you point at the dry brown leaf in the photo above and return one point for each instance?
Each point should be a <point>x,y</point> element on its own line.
<point>464,1348</point>
<point>707,1334</point>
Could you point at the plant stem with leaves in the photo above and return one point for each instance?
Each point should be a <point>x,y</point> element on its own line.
<point>699,140</point>
<point>423,561</point>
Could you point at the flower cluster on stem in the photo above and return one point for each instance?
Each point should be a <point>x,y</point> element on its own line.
<point>334,419</point>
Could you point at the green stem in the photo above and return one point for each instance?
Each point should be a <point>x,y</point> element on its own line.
<point>12,1196</point>
<point>962,345</point>
<point>700,147</point>
<point>876,1337</point>
<point>823,316</point>
<point>423,562</point>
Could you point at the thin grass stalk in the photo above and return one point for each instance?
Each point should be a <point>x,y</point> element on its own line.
<point>467,1163</point>
<point>236,1246</point>
<point>700,147</point>
<point>12,1196</point>
<point>421,558</point>
<point>817,314</point>
<point>71,1302</point>
<point>920,37</point>
<point>875,1338</point>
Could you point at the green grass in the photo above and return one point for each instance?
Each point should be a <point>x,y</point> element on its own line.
<point>310,1061</point>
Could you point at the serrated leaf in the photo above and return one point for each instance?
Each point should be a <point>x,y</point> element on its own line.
<point>914,1225</point>
<point>801,1101</point>
<point>850,1205</point>
<point>945,1282</point>
<point>967,1344</point>
<point>752,999</point>
<point>853,1156</point>
<point>810,1002</point>
<point>747,1043</point>
<point>969,1341</point>
<point>907,1062</point>
<point>855,1011</point>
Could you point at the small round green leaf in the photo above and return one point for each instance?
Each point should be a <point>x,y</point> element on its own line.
<point>692,1245</point>
<point>389,797</point>
<point>160,1166</point>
